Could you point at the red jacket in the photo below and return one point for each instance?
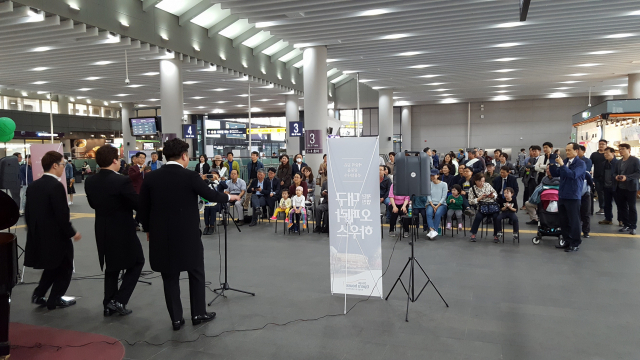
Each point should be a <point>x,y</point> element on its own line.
<point>136,177</point>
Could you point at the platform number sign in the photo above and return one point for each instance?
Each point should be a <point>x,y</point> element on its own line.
<point>313,143</point>
<point>295,128</point>
<point>189,131</point>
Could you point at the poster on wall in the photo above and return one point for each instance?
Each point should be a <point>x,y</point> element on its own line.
<point>354,215</point>
<point>313,141</point>
<point>37,151</point>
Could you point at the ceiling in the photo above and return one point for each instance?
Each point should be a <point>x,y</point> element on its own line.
<point>442,50</point>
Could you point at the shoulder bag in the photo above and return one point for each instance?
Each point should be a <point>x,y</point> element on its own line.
<point>486,208</point>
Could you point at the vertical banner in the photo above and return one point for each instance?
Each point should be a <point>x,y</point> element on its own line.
<point>354,215</point>
<point>37,151</point>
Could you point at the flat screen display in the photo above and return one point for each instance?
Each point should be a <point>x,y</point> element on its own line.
<point>144,126</point>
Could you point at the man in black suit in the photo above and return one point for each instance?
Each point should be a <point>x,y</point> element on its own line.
<point>113,197</point>
<point>49,234</point>
<point>504,181</point>
<point>259,189</point>
<point>274,195</point>
<point>169,214</point>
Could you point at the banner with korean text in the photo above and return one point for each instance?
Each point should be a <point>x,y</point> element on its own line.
<point>354,216</point>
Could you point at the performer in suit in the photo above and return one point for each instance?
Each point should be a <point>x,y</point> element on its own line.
<point>114,199</point>
<point>170,216</point>
<point>136,172</point>
<point>49,234</point>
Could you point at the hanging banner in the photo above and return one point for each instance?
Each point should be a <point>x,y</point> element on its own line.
<point>354,215</point>
<point>37,151</point>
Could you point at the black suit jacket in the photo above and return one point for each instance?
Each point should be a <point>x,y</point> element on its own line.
<point>169,212</point>
<point>275,187</point>
<point>114,199</point>
<point>512,182</point>
<point>266,186</point>
<point>205,169</point>
<point>49,229</point>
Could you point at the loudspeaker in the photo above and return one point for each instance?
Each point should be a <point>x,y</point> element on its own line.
<point>412,174</point>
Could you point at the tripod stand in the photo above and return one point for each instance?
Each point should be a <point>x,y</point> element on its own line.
<point>411,296</point>
<point>225,285</point>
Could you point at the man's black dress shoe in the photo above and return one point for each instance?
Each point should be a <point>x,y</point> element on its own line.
<point>532,222</point>
<point>196,320</point>
<point>118,307</point>
<point>177,324</point>
<point>253,223</point>
<point>317,230</point>
<point>108,312</point>
<point>60,303</point>
<point>38,300</point>
<point>571,249</point>
<point>562,247</point>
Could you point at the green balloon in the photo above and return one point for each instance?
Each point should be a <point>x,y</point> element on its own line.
<point>7,129</point>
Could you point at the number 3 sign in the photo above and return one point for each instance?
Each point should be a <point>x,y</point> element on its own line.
<point>313,143</point>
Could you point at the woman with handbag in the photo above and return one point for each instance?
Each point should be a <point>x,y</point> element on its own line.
<point>484,197</point>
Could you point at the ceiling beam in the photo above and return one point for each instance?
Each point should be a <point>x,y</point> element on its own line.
<point>294,61</point>
<point>198,9</point>
<point>334,76</point>
<point>149,4</point>
<point>343,81</point>
<point>281,53</point>
<point>265,45</point>
<point>245,35</point>
<point>222,24</point>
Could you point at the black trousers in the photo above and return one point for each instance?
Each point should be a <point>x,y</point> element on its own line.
<point>626,203</point>
<point>171,282</point>
<point>569,211</point>
<point>394,219</point>
<point>600,191</point>
<point>129,282</point>
<point>585,212</point>
<point>322,210</point>
<point>57,279</point>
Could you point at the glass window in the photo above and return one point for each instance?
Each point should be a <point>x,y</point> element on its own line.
<point>11,103</point>
<point>31,105</point>
<point>94,110</point>
<point>45,106</point>
<point>81,109</point>
<point>72,110</point>
<point>108,112</point>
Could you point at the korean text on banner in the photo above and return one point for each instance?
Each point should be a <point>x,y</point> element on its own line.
<point>354,215</point>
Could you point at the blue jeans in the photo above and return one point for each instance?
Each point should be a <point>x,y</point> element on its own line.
<point>386,202</point>
<point>433,217</point>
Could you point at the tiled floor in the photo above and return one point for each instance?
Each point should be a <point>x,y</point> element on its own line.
<point>506,301</point>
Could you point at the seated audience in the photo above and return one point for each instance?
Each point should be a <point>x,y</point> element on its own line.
<point>454,206</point>
<point>237,186</point>
<point>283,206</point>
<point>447,177</point>
<point>211,209</point>
<point>508,210</point>
<point>274,184</point>
<point>504,181</point>
<point>490,174</point>
<point>307,176</point>
<point>298,211</point>
<point>322,210</point>
<point>392,162</point>
<point>437,206</point>
<point>385,186</point>
<point>397,207</point>
<point>259,189</point>
<point>482,194</point>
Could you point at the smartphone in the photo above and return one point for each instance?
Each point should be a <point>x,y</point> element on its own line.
<point>552,159</point>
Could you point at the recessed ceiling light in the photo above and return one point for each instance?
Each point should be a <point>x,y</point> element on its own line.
<point>501,98</point>
<point>164,37</point>
<point>221,102</point>
<point>440,90</point>
<point>121,95</point>
<point>428,76</point>
<point>104,62</point>
<point>410,53</point>
<point>419,66</point>
<point>637,12</point>
<point>107,103</point>
<point>199,107</point>
<point>151,73</point>
<point>588,65</point>
<point>265,24</point>
<point>506,45</point>
<point>436,83</point>
<point>601,52</point>
<point>564,88</point>
<point>198,97</point>
<point>196,48</point>
<point>619,36</point>
<point>84,89</point>
<point>377,87</point>
<point>41,49</point>
<point>444,94</point>
<point>448,101</point>
<point>74,7</point>
<point>219,89</point>
<point>92,78</point>
<point>579,74</point>
<point>502,91</point>
<point>503,79</point>
<point>134,86</point>
<point>504,70</point>
<point>394,36</point>
<point>509,24</point>
<point>365,80</point>
<point>244,95</point>
<point>240,105</point>
<point>558,95</point>
<point>42,68</point>
<point>24,93</point>
<point>81,97</point>
<point>374,12</point>
<point>153,100</point>
<point>124,24</point>
<point>506,59</point>
<point>569,82</point>
<point>190,82</point>
<point>265,100</point>
<point>502,86</point>
<point>613,92</point>
<point>40,82</point>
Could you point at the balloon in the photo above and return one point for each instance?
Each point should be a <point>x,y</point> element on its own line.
<point>7,129</point>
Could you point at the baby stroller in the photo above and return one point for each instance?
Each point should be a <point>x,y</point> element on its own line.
<point>549,221</point>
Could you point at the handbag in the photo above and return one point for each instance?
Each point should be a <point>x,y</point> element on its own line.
<point>487,208</point>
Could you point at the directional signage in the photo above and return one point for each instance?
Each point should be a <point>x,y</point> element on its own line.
<point>189,131</point>
<point>240,131</point>
<point>295,129</point>
<point>267,130</point>
<point>313,143</point>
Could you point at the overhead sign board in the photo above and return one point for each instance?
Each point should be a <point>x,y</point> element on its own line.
<point>295,128</point>
<point>267,130</point>
<point>313,141</point>
<point>239,131</point>
<point>189,131</point>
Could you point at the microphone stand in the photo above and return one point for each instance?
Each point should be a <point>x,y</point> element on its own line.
<point>225,285</point>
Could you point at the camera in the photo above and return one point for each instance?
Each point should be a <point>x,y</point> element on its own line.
<point>126,81</point>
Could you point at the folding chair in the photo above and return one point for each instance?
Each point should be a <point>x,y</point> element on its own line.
<point>518,233</point>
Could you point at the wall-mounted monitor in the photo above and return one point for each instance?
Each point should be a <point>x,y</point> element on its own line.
<point>144,126</point>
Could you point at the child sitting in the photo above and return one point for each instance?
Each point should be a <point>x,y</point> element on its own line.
<point>285,205</point>
<point>455,204</point>
<point>508,211</point>
<point>299,210</point>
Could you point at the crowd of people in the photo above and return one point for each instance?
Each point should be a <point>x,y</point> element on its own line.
<point>486,188</point>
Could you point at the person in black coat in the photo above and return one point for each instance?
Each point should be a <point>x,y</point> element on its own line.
<point>297,165</point>
<point>49,234</point>
<point>259,189</point>
<point>114,199</point>
<point>169,214</point>
<point>509,181</point>
<point>203,167</point>
<point>274,195</point>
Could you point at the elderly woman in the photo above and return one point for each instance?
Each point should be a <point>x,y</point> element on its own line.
<point>482,195</point>
<point>298,181</point>
<point>284,172</point>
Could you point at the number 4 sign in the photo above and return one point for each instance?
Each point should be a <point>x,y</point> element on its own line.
<point>313,143</point>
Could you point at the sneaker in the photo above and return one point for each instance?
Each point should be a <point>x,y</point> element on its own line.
<point>496,239</point>
<point>69,203</point>
<point>632,232</point>
<point>468,212</point>
<point>515,237</point>
<point>273,218</point>
<point>448,226</point>
<point>473,238</point>
<point>532,222</point>
<point>432,234</point>
<point>392,233</point>
<point>459,226</point>
<point>440,231</point>
<point>600,212</point>
<point>585,235</point>
<point>605,222</point>
<point>499,234</point>
<point>406,235</point>
<point>624,229</point>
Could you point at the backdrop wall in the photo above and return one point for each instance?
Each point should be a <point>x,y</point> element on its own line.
<point>504,123</point>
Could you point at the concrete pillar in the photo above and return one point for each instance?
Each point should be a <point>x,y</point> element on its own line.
<point>405,125</point>
<point>633,89</point>
<point>128,140</point>
<point>292,113</point>
<point>63,104</point>
<point>315,98</point>
<point>385,118</point>
<point>172,99</point>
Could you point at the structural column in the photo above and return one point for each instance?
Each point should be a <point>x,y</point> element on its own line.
<point>128,140</point>
<point>292,113</point>
<point>633,89</point>
<point>63,104</point>
<point>385,117</point>
<point>172,98</point>
<point>405,126</point>
<point>315,99</point>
